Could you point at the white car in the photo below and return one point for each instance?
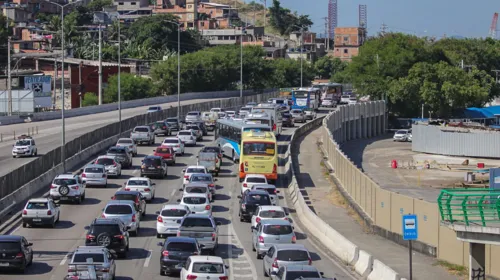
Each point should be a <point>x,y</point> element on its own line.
<point>401,135</point>
<point>67,187</point>
<point>191,170</point>
<point>193,116</point>
<point>174,143</point>
<point>271,189</point>
<point>168,219</point>
<point>328,102</point>
<point>352,100</point>
<point>112,166</point>
<point>230,114</point>
<point>198,203</point>
<point>24,146</point>
<point>153,109</point>
<point>142,185</point>
<point>251,180</point>
<point>128,142</point>
<point>197,188</point>
<point>244,111</point>
<point>188,137</point>
<point>266,212</point>
<point>40,211</point>
<point>204,267</point>
<point>217,110</point>
<point>344,99</point>
<point>94,175</point>
<point>409,137</point>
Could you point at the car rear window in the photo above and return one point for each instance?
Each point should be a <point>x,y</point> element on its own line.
<point>210,150</point>
<point>259,121</point>
<point>112,229</point>
<point>294,275</point>
<point>105,161</point>
<point>164,150</point>
<point>94,170</point>
<point>293,255</point>
<point>173,213</point>
<point>118,209</point>
<point>256,180</point>
<point>272,214</point>
<point>208,268</point>
<point>184,133</point>
<point>259,199</point>
<point>197,222</point>
<point>82,257</point>
<point>154,108</point>
<point>195,200</point>
<point>193,113</point>
<point>193,127</point>
<point>296,111</point>
<point>172,120</point>
<point>141,129</point>
<point>10,246</point>
<point>64,182</point>
<point>170,141</point>
<point>125,141</point>
<point>37,205</point>
<point>152,161</point>
<point>198,178</point>
<point>181,247</point>
<point>269,190</point>
<point>195,170</point>
<point>117,151</point>
<point>278,229</point>
<point>196,189</point>
<point>125,197</point>
<point>137,183</point>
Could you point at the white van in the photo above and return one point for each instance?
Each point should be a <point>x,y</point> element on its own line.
<point>273,114</point>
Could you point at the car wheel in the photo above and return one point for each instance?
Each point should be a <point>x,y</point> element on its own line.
<point>83,196</point>
<point>253,247</point>
<point>79,200</point>
<point>25,225</point>
<point>259,256</point>
<point>265,272</point>
<point>53,224</point>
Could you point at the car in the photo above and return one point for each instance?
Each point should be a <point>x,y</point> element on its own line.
<point>204,267</point>
<point>142,185</point>
<point>310,114</point>
<point>101,257</point>
<point>174,143</point>
<point>24,146</point>
<point>217,110</point>
<point>344,99</point>
<point>251,104</point>
<point>352,100</point>
<point>167,153</point>
<point>285,254</point>
<point>188,137</point>
<point>409,139</point>
<point>193,116</point>
<point>135,196</point>
<point>153,109</point>
<point>245,111</point>
<point>202,227</point>
<point>67,187</point>
<point>143,135</point>
<point>252,179</point>
<point>201,125</point>
<point>123,210</point>
<point>209,119</point>
<point>128,142</point>
<point>270,189</point>
<point>268,212</point>
<point>401,135</point>
<point>249,203</point>
<point>197,130</point>
<point>230,114</point>
<point>174,253</point>
<point>95,175</point>
<point>297,272</point>
<point>287,119</point>
<point>161,128</point>
<point>191,170</point>
<point>213,149</point>
<point>197,188</point>
<point>40,211</point>
<point>270,232</point>
<point>198,203</point>
<point>17,252</point>
<point>298,115</point>
<point>122,155</point>
<point>328,102</point>
<point>111,165</point>
<point>173,123</point>
<point>169,218</point>
<point>205,178</point>
<point>221,115</point>
<point>154,166</point>
<point>109,233</point>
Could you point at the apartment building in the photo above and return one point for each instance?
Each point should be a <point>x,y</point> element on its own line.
<point>347,42</point>
<point>305,44</point>
<point>130,10</point>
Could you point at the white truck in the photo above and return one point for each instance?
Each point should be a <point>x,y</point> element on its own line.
<point>143,134</point>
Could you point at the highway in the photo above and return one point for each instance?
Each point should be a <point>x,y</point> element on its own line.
<point>49,132</point>
<point>51,246</point>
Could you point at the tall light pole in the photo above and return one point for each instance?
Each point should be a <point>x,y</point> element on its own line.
<point>243,31</point>
<point>63,135</point>
<point>178,65</point>
<point>119,84</point>
<point>301,53</point>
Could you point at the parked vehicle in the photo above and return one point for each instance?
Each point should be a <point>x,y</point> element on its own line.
<point>40,211</point>
<point>270,232</point>
<point>169,219</point>
<point>285,254</point>
<point>24,146</point>
<point>111,165</point>
<point>142,185</point>
<point>188,137</point>
<point>143,135</point>
<point>167,153</point>
<point>109,233</point>
<point>154,166</point>
<point>67,187</point>
<point>102,260</point>
<point>401,135</point>
<point>173,123</point>
<point>95,175</point>
<point>204,267</point>
<point>135,196</point>
<point>249,203</point>
<point>174,143</point>
<point>123,210</point>
<point>210,160</point>
<point>175,252</point>
<point>202,227</point>
<point>17,252</point>
<point>128,142</point>
<point>161,128</point>
<point>193,116</point>
<point>122,155</point>
<point>268,212</point>
<point>198,203</point>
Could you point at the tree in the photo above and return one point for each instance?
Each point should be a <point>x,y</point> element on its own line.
<point>286,73</point>
<point>327,66</point>
<point>98,5</point>
<point>4,34</point>
<point>132,87</point>
<point>90,99</point>
<point>286,22</point>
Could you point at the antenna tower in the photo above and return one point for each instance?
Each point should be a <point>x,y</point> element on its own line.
<point>493,27</point>
<point>363,16</point>
<point>332,17</point>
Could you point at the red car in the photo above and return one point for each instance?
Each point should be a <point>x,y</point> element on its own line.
<point>167,153</point>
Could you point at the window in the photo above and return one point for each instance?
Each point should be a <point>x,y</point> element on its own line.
<point>181,247</point>
<point>190,6</point>
<point>190,16</point>
<point>293,255</point>
<point>94,170</point>
<point>64,182</point>
<point>195,200</point>
<point>120,3</point>
<point>346,38</point>
<point>259,149</point>
<point>82,258</point>
<point>105,161</point>
<point>37,206</point>
<point>9,246</point>
<point>137,183</point>
<point>197,222</point>
<point>202,23</point>
<point>118,210</point>
<point>278,229</point>
<point>208,268</point>
<point>346,51</point>
<point>132,3</point>
<point>173,213</point>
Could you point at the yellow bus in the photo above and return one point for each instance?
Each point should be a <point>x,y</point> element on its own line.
<point>259,155</point>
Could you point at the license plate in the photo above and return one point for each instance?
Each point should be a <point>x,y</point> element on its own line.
<point>37,220</point>
<point>63,198</point>
<point>4,264</point>
<point>151,168</point>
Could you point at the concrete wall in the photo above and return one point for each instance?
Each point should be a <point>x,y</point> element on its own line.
<point>455,141</point>
<point>383,209</point>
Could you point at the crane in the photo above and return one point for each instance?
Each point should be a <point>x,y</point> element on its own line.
<point>493,27</point>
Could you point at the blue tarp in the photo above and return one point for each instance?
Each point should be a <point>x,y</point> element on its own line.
<point>482,113</point>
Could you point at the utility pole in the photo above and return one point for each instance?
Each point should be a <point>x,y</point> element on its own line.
<point>100,65</point>
<point>55,83</point>
<point>119,84</point>
<point>326,31</point>
<point>9,79</point>
<point>301,53</point>
<point>383,29</point>
<point>265,13</point>
<point>328,34</point>
<point>80,93</point>
<point>496,75</point>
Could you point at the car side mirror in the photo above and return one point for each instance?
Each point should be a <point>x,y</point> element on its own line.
<point>81,170</point>
<point>253,228</point>
<point>160,244</point>
<point>183,170</point>
<point>178,221</point>
<point>178,200</point>
<point>202,246</point>
<point>215,180</point>
<point>128,227</point>
<point>277,191</point>
<point>29,244</point>
<point>226,266</point>
<point>157,212</point>
<point>181,189</point>
<point>218,224</point>
<point>321,273</point>
<point>153,184</point>
<point>273,273</point>
<point>239,196</point>
<point>86,227</point>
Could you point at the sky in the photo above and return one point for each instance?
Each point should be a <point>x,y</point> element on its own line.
<point>418,17</point>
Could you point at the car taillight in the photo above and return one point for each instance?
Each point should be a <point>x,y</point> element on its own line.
<point>133,218</point>
<point>104,269</point>
<point>275,263</point>
<point>72,277</point>
<point>213,236</point>
<point>243,207</point>
<point>275,168</point>
<point>310,261</point>
<point>75,187</point>
<point>242,168</point>
<point>25,212</point>
<point>285,218</point>
<point>191,277</point>
<point>19,256</point>
<point>89,236</point>
<point>220,155</point>
<point>178,234</point>
<point>160,219</point>
<point>127,189</point>
<point>119,236</point>
<point>103,216</point>
<point>223,278</point>
<point>211,185</point>
<point>114,164</point>
<point>246,163</point>
<point>261,239</point>
<point>186,177</point>
<point>84,175</point>
<point>164,127</point>
<point>147,189</point>
<point>207,207</point>
<point>53,186</point>
<point>274,127</point>
<point>257,220</point>
<point>49,212</point>
<point>294,239</point>
<point>164,253</point>
<point>216,160</point>
<point>137,200</point>
<point>245,185</point>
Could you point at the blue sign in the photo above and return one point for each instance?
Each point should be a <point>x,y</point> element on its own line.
<point>410,227</point>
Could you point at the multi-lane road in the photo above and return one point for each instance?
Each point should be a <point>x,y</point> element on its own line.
<point>52,245</point>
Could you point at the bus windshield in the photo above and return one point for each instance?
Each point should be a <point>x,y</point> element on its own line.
<point>301,94</point>
<point>259,121</point>
<point>258,149</point>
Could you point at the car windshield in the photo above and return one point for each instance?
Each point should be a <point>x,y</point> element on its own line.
<point>153,108</point>
<point>401,132</point>
<point>293,255</point>
<point>64,182</point>
<point>193,114</point>
<point>9,246</point>
<point>181,247</point>
<point>211,150</point>
<point>164,150</point>
<point>152,161</point>
<point>194,200</point>
<point>23,143</point>
<point>184,133</point>
<point>97,229</point>
<point>105,161</point>
<point>195,170</point>
<point>196,190</point>
<point>256,180</point>
<point>117,151</point>
<point>118,209</point>
<point>125,196</point>
<point>94,170</point>
<point>37,205</point>
<point>173,213</point>
<point>137,183</point>
<point>170,141</point>
<point>286,115</point>
<point>197,222</point>
<point>173,120</point>
<point>294,275</point>
<point>200,178</point>
<point>259,199</point>
<point>208,268</point>
<point>83,257</point>
<point>258,149</point>
<point>272,214</point>
<point>246,109</point>
<point>278,229</point>
<point>296,111</point>
<point>141,129</point>
<point>125,141</point>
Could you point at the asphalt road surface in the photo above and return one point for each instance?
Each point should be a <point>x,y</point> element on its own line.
<point>52,245</point>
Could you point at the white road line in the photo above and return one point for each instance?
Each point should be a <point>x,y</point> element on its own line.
<point>231,232</point>
<point>244,262</point>
<point>243,275</point>
<point>63,261</point>
<point>173,193</point>
<point>146,263</point>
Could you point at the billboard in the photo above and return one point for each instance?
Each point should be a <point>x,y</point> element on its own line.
<point>42,89</point>
<point>23,102</point>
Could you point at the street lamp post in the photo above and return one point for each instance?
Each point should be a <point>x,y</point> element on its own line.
<point>119,84</point>
<point>63,136</point>
<point>302,27</point>
<point>178,66</point>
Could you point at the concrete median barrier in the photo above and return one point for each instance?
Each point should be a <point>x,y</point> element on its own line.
<point>364,264</point>
<point>382,272</point>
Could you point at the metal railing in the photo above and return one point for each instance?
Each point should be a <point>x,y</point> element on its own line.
<point>470,206</point>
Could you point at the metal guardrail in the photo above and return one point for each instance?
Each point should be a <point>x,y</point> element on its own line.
<point>469,206</point>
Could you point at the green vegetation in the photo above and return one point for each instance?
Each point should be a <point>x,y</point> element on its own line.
<point>90,99</point>
<point>454,269</point>
<point>412,71</point>
<point>325,67</point>
<point>131,87</point>
<point>286,21</point>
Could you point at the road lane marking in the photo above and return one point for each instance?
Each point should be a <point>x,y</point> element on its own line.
<point>64,260</point>
<point>148,258</point>
<point>173,193</point>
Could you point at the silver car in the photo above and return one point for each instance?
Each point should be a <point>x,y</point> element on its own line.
<point>310,114</point>
<point>111,165</point>
<point>95,175</point>
<point>298,271</point>
<point>270,232</point>
<point>188,137</point>
<point>128,142</point>
<point>78,267</point>
<point>271,189</point>
<point>193,116</point>
<point>125,211</point>
<point>285,254</point>
<point>298,115</point>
